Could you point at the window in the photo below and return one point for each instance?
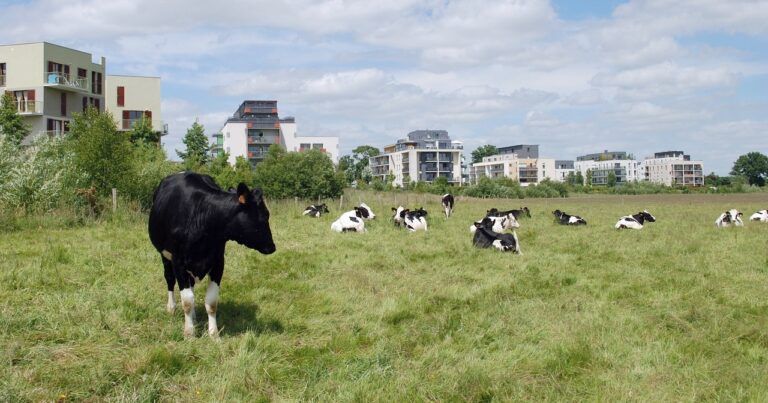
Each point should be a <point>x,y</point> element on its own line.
<point>57,73</point>
<point>63,104</point>
<point>82,73</point>
<point>96,82</point>
<point>317,146</point>
<point>2,74</point>
<point>25,101</point>
<point>120,96</point>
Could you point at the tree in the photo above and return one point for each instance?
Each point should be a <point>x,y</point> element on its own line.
<point>355,166</point>
<point>579,178</point>
<point>101,152</point>
<point>11,123</point>
<point>611,179</point>
<point>588,179</point>
<point>483,151</point>
<point>570,178</point>
<point>197,147</point>
<point>753,166</point>
<point>308,174</point>
<point>142,132</point>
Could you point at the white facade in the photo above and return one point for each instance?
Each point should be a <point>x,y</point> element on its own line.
<point>495,166</point>
<point>673,170</point>
<point>563,168</point>
<point>625,170</point>
<point>235,139</point>
<point>294,142</point>
<point>131,98</point>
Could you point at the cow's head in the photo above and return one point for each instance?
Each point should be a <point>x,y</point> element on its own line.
<point>250,226</point>
<point>526,211</point>
<point>727,217</point>
<point>364,212</point>
<point>485,223</point>
<point>647,216</point>
<point>420,212</point>
<point>323,208</point>
<point>557,213</point>
<point>493,211</point>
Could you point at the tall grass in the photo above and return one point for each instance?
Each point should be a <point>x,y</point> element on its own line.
<point>676,311</point>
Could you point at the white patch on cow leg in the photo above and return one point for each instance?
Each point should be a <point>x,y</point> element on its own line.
<point>188,303</point>
<point>211,303</point>
<point>171,306</point>
<point>167,255</point>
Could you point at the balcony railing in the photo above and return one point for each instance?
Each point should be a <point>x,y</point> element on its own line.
<point>53,133</point>
<point>66,81</point>
<point>128,124</point>
<point>29,107</point>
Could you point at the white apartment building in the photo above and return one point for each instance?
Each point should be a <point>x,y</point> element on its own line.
<point>132,98</point>
<point>673,168</point>
<point>495,166</point>
<point>563,168</point>
<point>256,125</point>
<point>50,83</point>
<point>518,162</point>
<point>623,165</point>
<point>423,156</point>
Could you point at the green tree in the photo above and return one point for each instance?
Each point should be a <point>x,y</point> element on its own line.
<point>309,174</point>
<point>142,132</point>
<point>101,152</point>
<point>611,179</point>
<point>579,178</point>
<point>11,123</point>
<point>483,151</point>
<point>753,166</point>
<point>356,165</point>
<point>570,178</point>
<point>197,147</point>
<point>588,179</point>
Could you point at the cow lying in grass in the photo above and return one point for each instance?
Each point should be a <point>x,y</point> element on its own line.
<point>502,220</point>
<point>730,217</point>
<point>567,219</point>
<point>354,220</point>
<point>486,237</point>
<point>635,221</point>
<point>761,216</point>
<point>190,223</point>
<point>413,220</point>
<point>316,210</point>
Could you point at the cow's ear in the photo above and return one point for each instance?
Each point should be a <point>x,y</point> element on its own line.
<point>243,193</point>
<point>394,209</point>
<point>479,224</point>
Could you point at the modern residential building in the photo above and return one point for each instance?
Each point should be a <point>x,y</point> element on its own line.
<point>672,168</point>
<point>132,98</point>
<point>495,166</point>
<point>256,125</point>
<point>423,156</point>
<point>521,150</point>
<point>50,83</point>
<point>600,165</point>
<point>563,168</point>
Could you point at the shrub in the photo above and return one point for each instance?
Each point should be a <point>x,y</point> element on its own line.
<point>308,174</point>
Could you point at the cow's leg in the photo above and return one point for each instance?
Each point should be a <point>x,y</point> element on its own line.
<point>170,279</point>
<point>212,299</point>
<point>186,284</point>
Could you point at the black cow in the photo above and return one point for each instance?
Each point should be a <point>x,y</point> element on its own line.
<point>190,223</point>
<point>413,220</point>
<point>567,219</point>
<point>448,204</point>
<point>485,237</point>
<point>494,212</point>
<point>522,211</point>
<point>316,210</point>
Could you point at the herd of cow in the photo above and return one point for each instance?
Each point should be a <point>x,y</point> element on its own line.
<point>192,219</point>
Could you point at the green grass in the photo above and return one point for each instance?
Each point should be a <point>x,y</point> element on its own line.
<point>677,311</point>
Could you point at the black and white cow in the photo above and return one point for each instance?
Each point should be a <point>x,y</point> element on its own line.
<point>190,223</point>
<point>316,210</point>
<point>566,219</point>
<point>523,211</point>
<point>413,220</point>
<point>486,237</point>
<point>502,220</point>
<point>635,221</point>
<point>761,216</point>
<point>447,204</point>
<point>353,220</point>
<point>730,217</point>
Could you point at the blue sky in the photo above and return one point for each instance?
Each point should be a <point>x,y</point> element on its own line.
<point>574,76</point>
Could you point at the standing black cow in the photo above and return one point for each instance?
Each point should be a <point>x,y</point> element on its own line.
<point>190,223</point>
<point>447,201</point>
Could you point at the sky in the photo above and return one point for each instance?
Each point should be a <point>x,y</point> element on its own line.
<point>575,77</point>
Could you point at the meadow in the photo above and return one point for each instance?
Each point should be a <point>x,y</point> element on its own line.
<point>677,311</point>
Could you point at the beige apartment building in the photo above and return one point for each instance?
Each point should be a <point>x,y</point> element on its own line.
<point>423,156</point>
<point>495,166</point>
<point>50,83</point>
<point>132,98</point>
<point>673,168</point>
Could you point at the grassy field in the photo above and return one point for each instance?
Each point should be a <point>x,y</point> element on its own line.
<point>677,311</point>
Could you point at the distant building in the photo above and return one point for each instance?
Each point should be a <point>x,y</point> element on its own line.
<point>256,125</point>
<point>495,166</point>
<point>519,162</point>
<point>50,83</point>
<point>600,165</point>
<point>423,156</point>
<point>563,168</point>
<point>131,99</point>
<point>521,150</point>
<point>673,168</point>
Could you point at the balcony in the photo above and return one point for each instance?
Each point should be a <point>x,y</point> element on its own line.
<point>129,124</point>
<point>256,155</point>
<point>29,108</point>
<point>53,133</point>
<point>65,82</point>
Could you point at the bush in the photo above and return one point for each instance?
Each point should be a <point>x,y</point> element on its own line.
<point>147,167</point>
<point>308,174</point>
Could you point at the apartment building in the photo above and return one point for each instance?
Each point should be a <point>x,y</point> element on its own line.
<point>256,125</point>
<point>600,165</point>
<point>423,156</point>
<point>518,162</point>
<point>563,168</point>
<point>495,166</point>
<point>132,98</point>
<point>524,151</point>
<point>672,168</point>
<point>50,83</point>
